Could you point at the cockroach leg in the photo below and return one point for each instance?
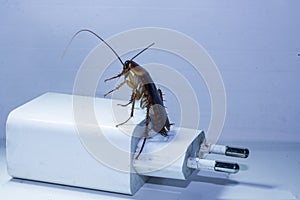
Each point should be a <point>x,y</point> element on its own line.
<point>144,141</point>
<point>130,101</point>
<point>160,94</point>
<point>121,84</point>
<point>146,131</point>
<point>124,105</point>
<point>131,114</point>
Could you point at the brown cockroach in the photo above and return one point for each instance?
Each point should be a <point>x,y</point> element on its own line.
<point>144,90</point>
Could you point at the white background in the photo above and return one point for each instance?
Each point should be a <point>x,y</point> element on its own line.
<point>255,44</point>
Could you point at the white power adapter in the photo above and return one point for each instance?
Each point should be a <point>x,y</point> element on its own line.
<point>45,142</point>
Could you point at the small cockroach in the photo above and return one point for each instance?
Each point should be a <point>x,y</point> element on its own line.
<point>144,90</point>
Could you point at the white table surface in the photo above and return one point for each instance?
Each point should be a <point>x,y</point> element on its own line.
<point>271,172</point>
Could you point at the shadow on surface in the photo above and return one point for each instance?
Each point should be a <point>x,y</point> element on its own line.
<point>197,186</point>
<point>213,180</point>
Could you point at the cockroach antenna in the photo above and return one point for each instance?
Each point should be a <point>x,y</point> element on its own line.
<point>142,51</point>
<point>87,30</point>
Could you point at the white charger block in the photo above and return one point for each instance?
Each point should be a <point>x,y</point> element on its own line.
<point>43,145</point>
<point>46,143</point>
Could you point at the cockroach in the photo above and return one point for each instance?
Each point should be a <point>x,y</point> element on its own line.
<point>143,89</point>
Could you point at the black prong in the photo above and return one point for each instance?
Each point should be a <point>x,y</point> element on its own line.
<point>237,152</point>
<point>227,167</point>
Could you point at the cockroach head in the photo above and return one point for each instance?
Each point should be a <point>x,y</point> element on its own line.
<point>126,65</point>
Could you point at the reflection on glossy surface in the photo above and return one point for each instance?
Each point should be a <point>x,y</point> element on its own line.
<point>256,180</point>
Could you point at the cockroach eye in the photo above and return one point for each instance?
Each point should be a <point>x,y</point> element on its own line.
<point>127,64</point>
